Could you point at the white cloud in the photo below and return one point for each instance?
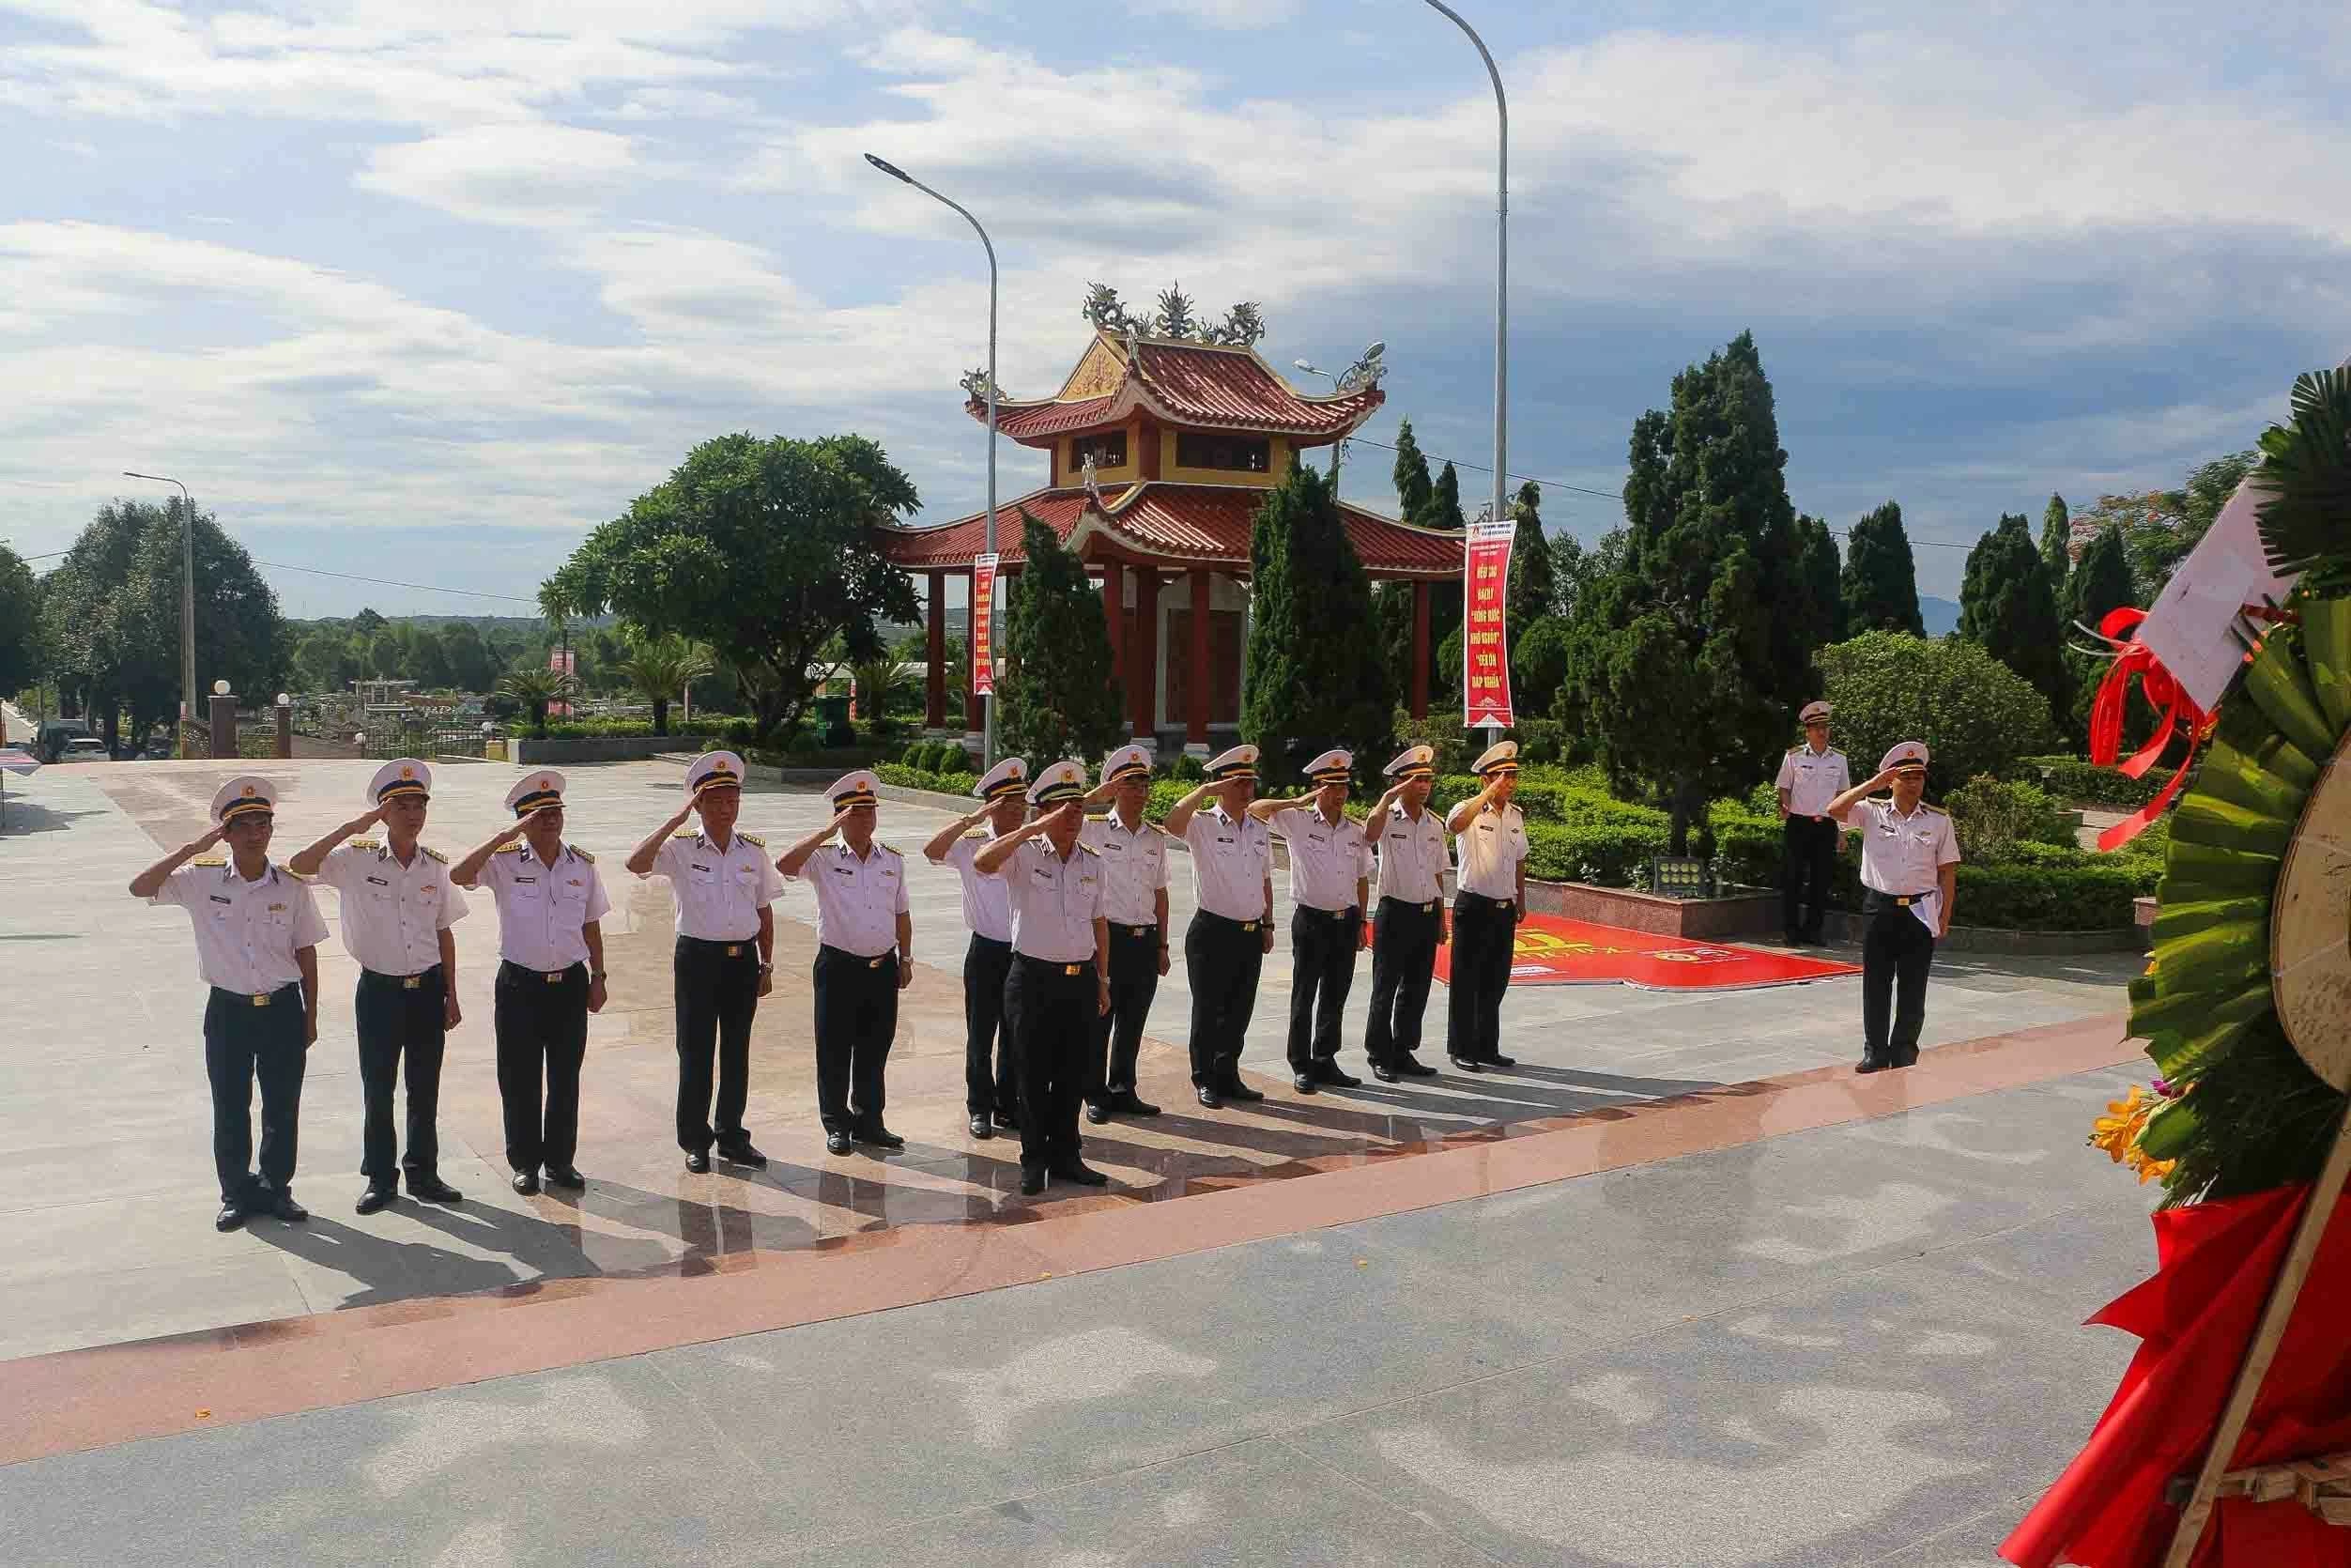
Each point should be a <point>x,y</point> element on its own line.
<point>528,172</point>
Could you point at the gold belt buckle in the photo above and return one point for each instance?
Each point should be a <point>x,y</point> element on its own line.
<point>557,977</point>
<point>1429,908</point>
<point>875,964</point>
<point>261,999</point>
<point>1069,971</point>
<point>1249,925</point>
<point>411,982</point>
<point>735,949</point>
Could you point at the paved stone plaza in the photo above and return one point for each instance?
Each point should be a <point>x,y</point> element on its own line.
<point>1749,1312</point>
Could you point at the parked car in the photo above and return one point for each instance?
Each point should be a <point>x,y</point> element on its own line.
<point>84,749</point>
<point>49,740</point>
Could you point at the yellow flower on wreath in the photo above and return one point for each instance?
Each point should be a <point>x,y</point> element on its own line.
<point>2118,1132</point>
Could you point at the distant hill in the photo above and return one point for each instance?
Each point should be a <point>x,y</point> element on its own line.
<point>1939,616</point>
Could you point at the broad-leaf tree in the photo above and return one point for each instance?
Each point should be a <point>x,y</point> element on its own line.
<point>2160,527</point>
<point>1975,713</point>
<point>1881,581</point>
<point>767,551</point>
<point>1309,685</point>
<point>2006,608</point>
<point>22,662</point>
<point>1055,697</point>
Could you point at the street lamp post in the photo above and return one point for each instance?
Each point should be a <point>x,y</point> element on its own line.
<point>988,704</point>
<point>187,605</point>
<point>1313,369</point>
<point>1501,274</point>
<point>1366,371</point>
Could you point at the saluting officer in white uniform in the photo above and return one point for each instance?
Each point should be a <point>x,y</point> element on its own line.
<point>1411,921</point>
<point>724,958</point>
<point>550,974</point>
<point>1810,776</point>
<point>1232,927</point>
<point>1331,883</point>
<point>1488,903</point>
<point>397,905</point>
<point>865,956</point>
<point>1910,861</point>
<point>258,934</point>
<point>1134,904</point>
<point>1060,982</point>
<point>991,1098</point>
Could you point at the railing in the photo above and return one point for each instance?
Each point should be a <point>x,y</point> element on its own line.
<point>386,741</point>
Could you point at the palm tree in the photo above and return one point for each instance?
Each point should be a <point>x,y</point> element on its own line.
<point>876,685</point>
<point>534,689</point>
<point>662,667</point>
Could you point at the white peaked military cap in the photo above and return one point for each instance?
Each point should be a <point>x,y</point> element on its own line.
<point>714,770</point>
<point>1814,711</point>
<point>1007,777</point>
<point>1414,762</point>
<point>243,796</point>
<point>401,778</point>
<point>852,789</point>
<point>1501,757</point>
<point>1906,755</point>
<point>1128,762</point>
<point>1239,763</point>
<point>1059,784</point>
<point>1332,767</point>
<point>540,786</point>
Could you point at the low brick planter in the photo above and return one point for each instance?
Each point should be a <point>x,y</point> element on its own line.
<point>1843,928</point>
<point>1723,920</point>
<point>527,752</point>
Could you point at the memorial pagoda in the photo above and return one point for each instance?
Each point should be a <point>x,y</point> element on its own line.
<point>1161,450</point>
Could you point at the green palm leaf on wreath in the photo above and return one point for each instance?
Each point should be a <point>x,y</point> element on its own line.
<point>2306,519</point>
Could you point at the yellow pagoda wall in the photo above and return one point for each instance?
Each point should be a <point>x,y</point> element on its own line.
<point>1277,464</point>
<point>1067,470</point>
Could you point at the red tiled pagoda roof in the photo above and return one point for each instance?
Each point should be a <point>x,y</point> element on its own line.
<point>1177,524</point>
<point>1190,385</point>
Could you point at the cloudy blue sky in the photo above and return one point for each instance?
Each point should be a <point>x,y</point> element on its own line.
<point>424,288</point>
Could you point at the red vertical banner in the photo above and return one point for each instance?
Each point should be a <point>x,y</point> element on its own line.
<point>562,661</point>
<point>1484,637</point>
<point>984,626</point>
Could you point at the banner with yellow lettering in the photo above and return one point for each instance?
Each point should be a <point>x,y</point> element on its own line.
<point>1484,635</point>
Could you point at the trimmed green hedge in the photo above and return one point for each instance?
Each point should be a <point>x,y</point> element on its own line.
<point>698,728</point>
<point>2080,782</point>
<point>924,778</point>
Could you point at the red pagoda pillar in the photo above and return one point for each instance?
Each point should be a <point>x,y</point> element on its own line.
<point>974,706</point>
<point>1197,721</point>
<point>1142,654</point>
<point>935,682</point>
<point>1113,615</point>
<point>1420,650</point>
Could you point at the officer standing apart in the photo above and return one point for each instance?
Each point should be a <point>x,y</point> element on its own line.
<point>1411,921</point>
<point>258,934</point>
<point>991,1100</point>
<point>398,903</point>
<point>550,974</point>
<point>1060,982</point>
<point>1331,883</point>
<point>1909,862</point>
<point>724,958</point>
<point>1134,904</point>
<point>862,920</point>
<point>1810,776</point>
<point>1490,901</point>
<point>1232,927</point>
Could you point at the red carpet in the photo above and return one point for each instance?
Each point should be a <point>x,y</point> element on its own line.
<point>1551,951</point>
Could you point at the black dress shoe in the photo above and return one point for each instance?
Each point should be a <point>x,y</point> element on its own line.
<point>1499,1061</point>
<point>1127,1100</point>
<point>1382,1071</point>
<point>1327,1072</point>
<point>281,1206</point>
<point>742,1154</point>
<point>982,1126</point>
<point>1242,1093</point>
<point>1465,1064</point>
<point>1098,1111</point>
<point>432,1188</point>
<point>1303,1082</point>
<point>837,1142</point>
<point>1008,1121</point>
<point>1080,1173</point>
<point>232,1216</point>
<point>1872,1064</point>
<point>880,1137</point>
<point>565,1175</point>
<point>697,1161</point>
<point>374,1199</point>
<point>1412,1066</point>
<point>1212,1099</point>
<point>1032,1181</point>
<point>526,1182</point>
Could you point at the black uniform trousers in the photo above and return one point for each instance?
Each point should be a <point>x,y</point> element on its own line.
<point>1323,945</point>
<point>1052,1007</point>
<point>1483,931</point>
<point>541,1020</point>
<point>1221,959</point>
<point>1897,952</point>
<point>1403,961</point>
<point>1808,866</point>
<point>1134,980</point>
<point>988,1031</point>
<point>245,1040</point>
<point>856,1017</point>
<point>400,1015</point>
<point>715,987</point>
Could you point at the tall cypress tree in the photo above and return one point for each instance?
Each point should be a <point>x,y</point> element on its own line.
<point>1058,697</point>
<point>1881,581</point>
<point>2101,581</point>
<point>1443,507</point>
<point>1530,575</point>
<point>1682,666</point>
<point>1411,476</point>
<point>2005,607</point>
<point>1824,593</point>
<point>1309,687</point>
<point>2057,543</point>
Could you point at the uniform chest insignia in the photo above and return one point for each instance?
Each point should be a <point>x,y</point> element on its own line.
<point>698,865</point>
<point>222,898</point>
<point>378,882</point>
<point>277,909</point>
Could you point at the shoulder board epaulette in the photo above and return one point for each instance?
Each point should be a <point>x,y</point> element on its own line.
<point>979,833</point>
<point>582,854</point>
<point>209,860</point>
<point>753,839</point>
<point>296,875</point>
<point>364,844</point>
<point>892,848</point>
<point>1088,849</point>
<point>1936,809</point>
<point>522,846</point>
<point>431,853</point>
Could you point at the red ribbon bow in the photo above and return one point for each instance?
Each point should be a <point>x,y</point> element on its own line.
<point>2133,657</point>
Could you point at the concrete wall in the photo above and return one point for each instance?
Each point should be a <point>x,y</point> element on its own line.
<point>526,752</point>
